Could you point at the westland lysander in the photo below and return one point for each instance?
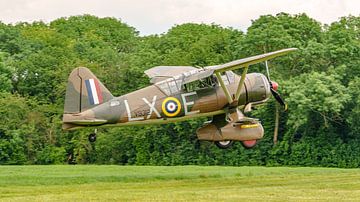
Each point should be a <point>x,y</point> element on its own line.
<point>178,93</point>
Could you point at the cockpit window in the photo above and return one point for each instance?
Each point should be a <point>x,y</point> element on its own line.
<point>228,77</point>
<point>173,87</point>
<point>175,84</point>
<point>208,82</point>
<point>170,86</point>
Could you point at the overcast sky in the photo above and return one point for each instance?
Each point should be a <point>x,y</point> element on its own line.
<point>157,16</point>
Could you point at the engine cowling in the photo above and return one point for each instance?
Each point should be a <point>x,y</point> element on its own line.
<point>258,88</point>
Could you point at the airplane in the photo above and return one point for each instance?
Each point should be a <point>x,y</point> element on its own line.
<point>178,93</point>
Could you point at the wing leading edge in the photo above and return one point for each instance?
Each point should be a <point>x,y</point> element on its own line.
<point>245,62</point>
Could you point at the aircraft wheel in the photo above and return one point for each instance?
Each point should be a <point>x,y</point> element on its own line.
<point>92,137</point>
<point>249,143</point>
<point>224,144</point>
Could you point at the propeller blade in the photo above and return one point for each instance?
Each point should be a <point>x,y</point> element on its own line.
<point>278,98</point>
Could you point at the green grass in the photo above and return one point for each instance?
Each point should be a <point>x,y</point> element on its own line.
<point>179,183</point>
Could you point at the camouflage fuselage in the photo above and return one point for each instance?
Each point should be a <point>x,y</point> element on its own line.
<point>151,105</point>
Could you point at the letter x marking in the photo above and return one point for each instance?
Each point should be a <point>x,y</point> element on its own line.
<point>152,107</point>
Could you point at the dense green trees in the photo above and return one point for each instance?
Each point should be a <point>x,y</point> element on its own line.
<point>320,83</point>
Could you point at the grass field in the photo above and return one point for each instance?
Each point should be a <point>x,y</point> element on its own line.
<point>179,183</point>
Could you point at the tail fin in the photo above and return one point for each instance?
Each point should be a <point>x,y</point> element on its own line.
<point>84,91</point>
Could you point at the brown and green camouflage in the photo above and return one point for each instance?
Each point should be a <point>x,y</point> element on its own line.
<point>177,93</point>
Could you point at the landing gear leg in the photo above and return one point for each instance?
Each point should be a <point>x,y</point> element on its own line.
<point>92,136</point>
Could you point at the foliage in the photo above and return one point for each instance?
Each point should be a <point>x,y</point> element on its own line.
<point>5,74</point>
<point>320,82</point>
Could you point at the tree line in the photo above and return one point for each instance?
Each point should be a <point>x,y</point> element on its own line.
<point>320,83</point>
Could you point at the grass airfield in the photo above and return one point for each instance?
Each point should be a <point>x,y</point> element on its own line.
<point>177,183</point>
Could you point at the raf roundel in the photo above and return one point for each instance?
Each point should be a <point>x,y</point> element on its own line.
<point>171,107</point>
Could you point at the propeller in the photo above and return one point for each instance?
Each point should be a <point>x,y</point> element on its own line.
<point>278,98</point>
<point>273,89</point>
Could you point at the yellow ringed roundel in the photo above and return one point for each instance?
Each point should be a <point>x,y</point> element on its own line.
<point>171,106</point>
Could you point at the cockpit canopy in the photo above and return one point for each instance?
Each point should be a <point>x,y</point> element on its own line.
<point>174,79</point>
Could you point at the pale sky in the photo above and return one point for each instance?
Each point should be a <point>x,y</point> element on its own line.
<point>157,16</point>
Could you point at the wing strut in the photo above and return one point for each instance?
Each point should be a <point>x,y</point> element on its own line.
<point>223,86</point>
<point>242,63</point>
<point>241,83</point>
<point>226,90</point>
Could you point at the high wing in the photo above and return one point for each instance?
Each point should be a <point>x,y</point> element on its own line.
<point>236,64</point>
<point>243,63</point>
<point>160,73</point>
<point>189,74</point>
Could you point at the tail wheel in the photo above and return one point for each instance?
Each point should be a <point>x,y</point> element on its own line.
<point>224,144</point>
<point>249,143</point>
<point>92,137</point>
